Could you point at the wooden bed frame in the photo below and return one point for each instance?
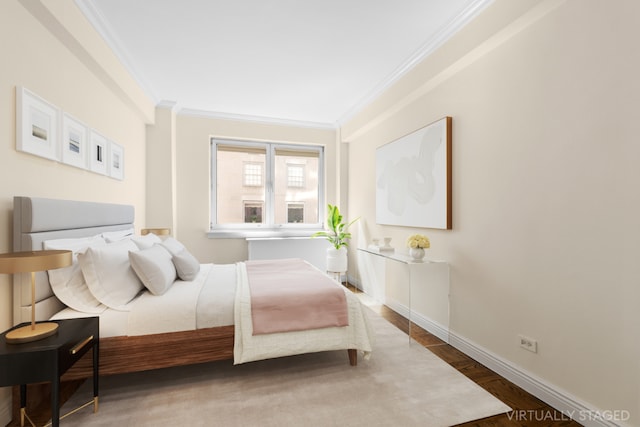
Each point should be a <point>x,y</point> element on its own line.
<point>120,355</point>
<point>36,220</point>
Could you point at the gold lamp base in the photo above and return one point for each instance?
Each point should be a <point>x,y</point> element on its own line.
<point>31,333</point>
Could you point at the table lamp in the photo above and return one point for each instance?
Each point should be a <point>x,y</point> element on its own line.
<point>157,231</point>
<point>30,262</point>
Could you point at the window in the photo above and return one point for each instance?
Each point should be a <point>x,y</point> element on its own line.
<point>253,174</point>
<point>265,187</point>
<point>253,212</point>
<point>295,213</point>
<point>295,176</point>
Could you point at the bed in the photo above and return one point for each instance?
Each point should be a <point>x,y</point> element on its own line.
<point>131,340</point>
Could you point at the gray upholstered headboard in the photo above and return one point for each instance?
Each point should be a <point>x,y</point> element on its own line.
<point>36,220</point>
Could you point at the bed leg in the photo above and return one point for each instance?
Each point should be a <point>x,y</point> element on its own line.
<point>353,357</point>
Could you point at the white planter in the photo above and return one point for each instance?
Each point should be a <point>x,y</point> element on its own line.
<point>417,254</point>
<point>337,259</point>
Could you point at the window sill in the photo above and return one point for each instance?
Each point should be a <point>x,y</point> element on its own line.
<point>261,234</point>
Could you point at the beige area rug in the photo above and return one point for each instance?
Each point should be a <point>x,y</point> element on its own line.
<point>400,385</point>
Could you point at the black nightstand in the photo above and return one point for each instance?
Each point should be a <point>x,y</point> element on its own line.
<point>46,360</point>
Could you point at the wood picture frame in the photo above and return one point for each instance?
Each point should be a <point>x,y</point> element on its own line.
<point>413,178</point>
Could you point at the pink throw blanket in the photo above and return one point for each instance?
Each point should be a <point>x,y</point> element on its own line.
<point>292,295</point>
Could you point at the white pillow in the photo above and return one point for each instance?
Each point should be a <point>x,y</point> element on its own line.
<point>116,236</point>
<point>154,268</point>
<point>187,266</point>
<point>109,274</point>
<point>68,283</point>
<point>145,242</point>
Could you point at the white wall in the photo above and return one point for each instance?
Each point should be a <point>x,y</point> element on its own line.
<point>161,170</point>
<point>544,98</point>
<point>63,73</point>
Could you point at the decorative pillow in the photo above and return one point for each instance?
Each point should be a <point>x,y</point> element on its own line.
<point>187,266</point>
<point>109,274</point>
<point>116,236</point>
<point>68,283</point>
<point>145,242</point>
<point>154,268</point>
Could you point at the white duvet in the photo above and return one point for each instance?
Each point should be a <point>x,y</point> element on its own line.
<point>219,296</point>
<point>248,347</point>
<point>173,311</point>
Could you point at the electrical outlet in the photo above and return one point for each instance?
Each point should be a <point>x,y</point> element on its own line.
<point>528,343</point>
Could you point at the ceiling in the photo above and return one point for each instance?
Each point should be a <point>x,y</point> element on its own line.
<point>310,62</point>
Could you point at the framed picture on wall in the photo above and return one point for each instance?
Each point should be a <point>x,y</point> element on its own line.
<point>98,154</point>
<point>413,178</point>
<point>116,161</point>
<point>75,142</point>
<point>36,125</point>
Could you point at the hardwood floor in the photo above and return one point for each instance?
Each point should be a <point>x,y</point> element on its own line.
<point>527,409</point>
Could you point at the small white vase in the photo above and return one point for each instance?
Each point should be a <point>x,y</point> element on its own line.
<point>337,259</point>
<point>417,254</point>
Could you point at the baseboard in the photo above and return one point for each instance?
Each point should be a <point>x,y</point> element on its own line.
<point>552,395</point>
<point>555,397</point>
<point>424,322</point>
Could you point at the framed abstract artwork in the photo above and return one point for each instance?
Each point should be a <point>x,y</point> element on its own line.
<point>75,142</point>
<point>116,161</point>
<point>413,178</point>
<point>37,124</point>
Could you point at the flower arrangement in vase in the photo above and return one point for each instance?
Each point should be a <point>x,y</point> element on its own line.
<point>417,243</point>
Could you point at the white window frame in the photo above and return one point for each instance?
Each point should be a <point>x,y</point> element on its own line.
<point>267,228</point>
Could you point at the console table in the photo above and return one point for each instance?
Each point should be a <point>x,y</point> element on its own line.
<point>420,273</point>
<point>47,359</point>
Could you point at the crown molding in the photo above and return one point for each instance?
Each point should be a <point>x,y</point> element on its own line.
<point>430,46</point>
<point>170,105</point>
<point>256,119</point>
<point>99,23</point>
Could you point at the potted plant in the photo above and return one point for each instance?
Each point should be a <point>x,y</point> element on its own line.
<point>338,236</point>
